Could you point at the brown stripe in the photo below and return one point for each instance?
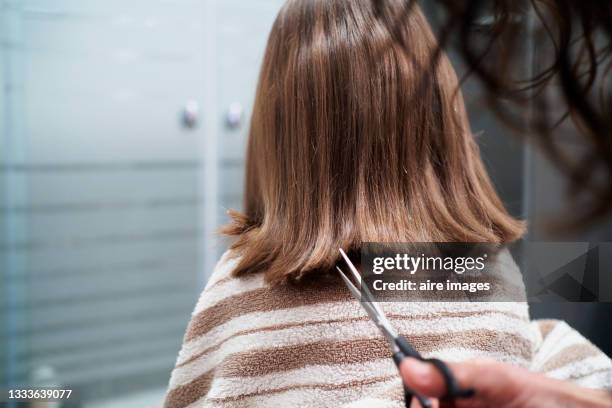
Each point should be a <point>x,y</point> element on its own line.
<point>267,329</point>
<point>266,361</point>
<point>261,362</point>
<point>184,395</point>
<point>391,316</point>
<point>263,300</point>
<point>187,394</point>
<point>570,354</point>
<point>326,387</point>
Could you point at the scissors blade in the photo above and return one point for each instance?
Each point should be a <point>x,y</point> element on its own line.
<point>352,288</point>
<point>379,316</point>
<point>352,268</point>
<point>357,295</point>
<point>372,310</point>
<point>366,305</point>
<point>365,292</point>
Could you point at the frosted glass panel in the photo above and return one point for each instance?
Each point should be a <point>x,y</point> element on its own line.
<point>106,80</point>
<point>101,189</point>
<point>108,199</point>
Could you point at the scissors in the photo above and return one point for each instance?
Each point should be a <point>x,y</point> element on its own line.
<point>400,347</point>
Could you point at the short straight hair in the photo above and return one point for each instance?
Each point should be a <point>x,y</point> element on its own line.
<point>358,134</point>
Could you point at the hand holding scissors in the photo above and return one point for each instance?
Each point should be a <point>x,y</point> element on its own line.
<point>400,347</point>
<point>503,386</point>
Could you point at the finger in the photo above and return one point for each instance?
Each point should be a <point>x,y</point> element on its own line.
<point>422,377</point>
<point>414,403</point>
<point>491,380</point>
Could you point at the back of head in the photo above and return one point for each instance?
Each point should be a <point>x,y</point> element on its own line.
<point>358,134</point>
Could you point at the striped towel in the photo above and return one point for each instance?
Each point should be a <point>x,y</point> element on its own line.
<point>249,344</point>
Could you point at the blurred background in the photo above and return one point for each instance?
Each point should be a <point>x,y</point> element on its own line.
<point>122,133</point>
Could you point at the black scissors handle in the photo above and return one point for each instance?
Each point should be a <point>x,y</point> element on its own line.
<point>398,357</point>
<point>453,389</point>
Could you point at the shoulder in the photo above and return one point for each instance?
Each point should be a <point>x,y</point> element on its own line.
<point>565,354</point>
<point>223,268</point>
<point>222,285</point>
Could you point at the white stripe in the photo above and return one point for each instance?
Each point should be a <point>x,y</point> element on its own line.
<point>537,333</point>
<point>257,320</point>
<point>601,380</point>
<point>316,374</point>
<point>559,339</point>
<point>333,331</point>
<point>315,397</point>
<point>337,310</point>
<point>565,353</point>
<point>581,368</point>
<point>222,268</point>
<point>376,403</point>
<point>338,374</point>
<point>338,330</point>
<point>548,347</point>
<point>456,354</point>
<point>309,397</point>
<point>227,289</point>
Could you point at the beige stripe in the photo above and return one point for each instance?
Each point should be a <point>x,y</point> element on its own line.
<point>263,300</point>
<point>233,287</point>
<point>346,332</point>
<point>334,374</point>
<point>432,316</point>
<point>186,394</point>
<point>230,278</point>
<point>220,281</point>
<point>568,355</point>
<point>269,361</point>
<point>585,375</point>
<point>328,374</point>
<point>266,361</point>
<point>319,386</point>
<point>351,309</point>
<point>546,326</point>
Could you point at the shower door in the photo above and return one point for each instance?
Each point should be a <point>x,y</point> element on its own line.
<point>122,131</point>
<point>107,188</point>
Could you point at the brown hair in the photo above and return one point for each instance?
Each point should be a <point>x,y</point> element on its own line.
<point>347,144</point>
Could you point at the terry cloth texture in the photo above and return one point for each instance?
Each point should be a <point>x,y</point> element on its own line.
<point>252,345</point>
